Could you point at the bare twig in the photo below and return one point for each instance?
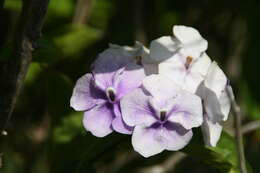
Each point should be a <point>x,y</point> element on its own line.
<point>238,131</point>
<point>13,70</point>
<point>167,166</point>
<point>254,125</point>
<point>82,12</point>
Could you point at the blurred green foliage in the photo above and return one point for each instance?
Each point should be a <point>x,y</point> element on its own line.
<point>46,135</point>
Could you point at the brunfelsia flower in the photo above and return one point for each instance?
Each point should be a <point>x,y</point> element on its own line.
<point>181,58</point>
<point>216,103</point>
<point>187,41</point>
<point>98,94</point>
<point>186,71</point>
<point>162,115</point>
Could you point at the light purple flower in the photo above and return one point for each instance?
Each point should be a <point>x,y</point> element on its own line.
<point>162,115</point>
<point>98,94</point>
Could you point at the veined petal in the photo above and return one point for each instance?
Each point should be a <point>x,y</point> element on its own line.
<point>129,79</point>
<point>85,94</point>
<point>99,119</point>
<point>211,132</point>
<point>136,109</point>
<point>146,141</point>
<point>188,110</point>
<point>175,137</point>
<point>163,48</point>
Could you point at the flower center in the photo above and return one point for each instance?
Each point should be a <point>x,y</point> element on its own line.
<point>110,92</point>
<point>188,61</point>
<point>163,115</point>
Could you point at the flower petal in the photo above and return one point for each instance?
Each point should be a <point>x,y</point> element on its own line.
<point>136,110</point>
<point>160,87</point>
<point>211,132</point>
<point>119,126</point>
<point>145,141</point>
<point>106,65</point>
<point>188,111</point>
<point>163,48</point>
<point>98,120</point>
<point>85,94</point>
<point>175,137</point>
<point>215,80</point>
<point>201,65</point>
<point>190,38</point>
<point>129,79</point>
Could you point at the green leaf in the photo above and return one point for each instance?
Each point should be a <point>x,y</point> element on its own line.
<point>223,156</point>
<point>76,39</point>
<point>70,127</point>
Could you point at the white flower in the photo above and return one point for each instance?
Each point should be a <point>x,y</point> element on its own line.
<point>216,103</point>
<point>187,41</point>
<point>185,71</point>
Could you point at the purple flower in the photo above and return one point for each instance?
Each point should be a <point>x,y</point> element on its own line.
<point>162,115</point>
<point>99,94</point>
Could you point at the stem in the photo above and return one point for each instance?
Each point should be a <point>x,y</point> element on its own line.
<point>251,127</point>
<point>238,132</point>
<point>14,68</point>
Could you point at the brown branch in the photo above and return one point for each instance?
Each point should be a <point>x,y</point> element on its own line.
<point>251,126</point>
<point>13,70</point>
<point>82,11</point>
<point>238,131</point>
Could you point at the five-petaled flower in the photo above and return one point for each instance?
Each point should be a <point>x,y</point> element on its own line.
<point>162,115</point>
<point>98,94</point>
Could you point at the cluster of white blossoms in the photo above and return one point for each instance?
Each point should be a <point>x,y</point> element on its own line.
<point>157,95</point>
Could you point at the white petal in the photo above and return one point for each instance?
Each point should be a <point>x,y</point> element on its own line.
<point>160,87</point>
<point>216,80</point>
<point>163,48</point>
<point>201,65</point>
<point>188,111</point>
<point>211,132</point>
<point>191,39</point>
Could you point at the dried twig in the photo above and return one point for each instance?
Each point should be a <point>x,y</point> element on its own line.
<point>13,70</point>
<point>254,125</point>
<point>238,131</point>
<point>82,12</point>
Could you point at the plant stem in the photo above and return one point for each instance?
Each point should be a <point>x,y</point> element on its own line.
<point>238,132</point>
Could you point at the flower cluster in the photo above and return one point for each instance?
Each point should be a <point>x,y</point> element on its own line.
<point>157,95</point>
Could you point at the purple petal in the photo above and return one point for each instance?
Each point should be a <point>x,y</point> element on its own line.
<point>175,137</point>
<point>85,94</point>
<point>136,109</point>
<point>107,63</point>
<point>188,110</point>
<point>120,126</point>
<point>99,119</point>
<point>129,79</point>
<point>146,141</point>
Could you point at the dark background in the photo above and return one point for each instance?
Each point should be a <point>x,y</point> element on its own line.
<point>45,135</point>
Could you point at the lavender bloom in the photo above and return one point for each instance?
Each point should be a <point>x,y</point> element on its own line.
<point>162,115</point>
<point>98,94</point>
